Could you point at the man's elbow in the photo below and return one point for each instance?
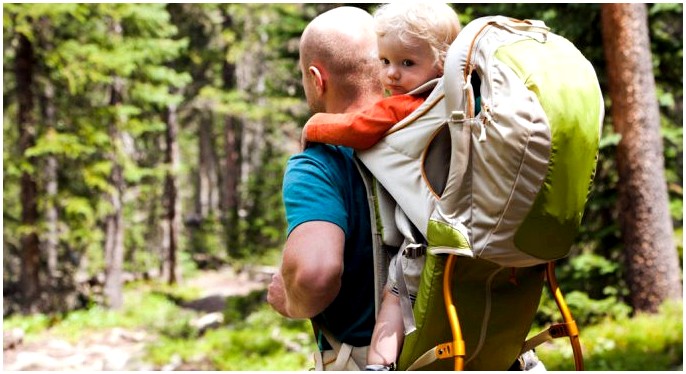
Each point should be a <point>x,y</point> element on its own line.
<point>317,288</point>
<point>321,280</point>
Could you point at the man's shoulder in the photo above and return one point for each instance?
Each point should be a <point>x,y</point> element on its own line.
<point>322,154</point>
<point>324,163</point>
<point>327,150</point>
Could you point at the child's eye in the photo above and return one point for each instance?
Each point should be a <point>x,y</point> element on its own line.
<point>384,61</point>
<point>408,62</point>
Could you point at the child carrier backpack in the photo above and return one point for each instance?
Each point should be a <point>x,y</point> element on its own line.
<point>493,170</point>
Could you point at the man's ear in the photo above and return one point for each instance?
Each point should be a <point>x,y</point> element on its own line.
<point>317,77</point>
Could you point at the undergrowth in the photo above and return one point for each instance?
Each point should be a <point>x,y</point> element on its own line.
<point>264,341</point>
<point>644,342</point>
<point>257,338</point>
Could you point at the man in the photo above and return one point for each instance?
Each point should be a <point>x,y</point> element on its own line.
<point>327,269</point>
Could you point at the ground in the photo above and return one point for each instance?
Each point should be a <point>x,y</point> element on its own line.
<point>122,349</point>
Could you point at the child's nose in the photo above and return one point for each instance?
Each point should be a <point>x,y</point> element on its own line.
<point>393,73</point>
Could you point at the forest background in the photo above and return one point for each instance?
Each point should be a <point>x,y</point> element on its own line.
<point>144,144</point>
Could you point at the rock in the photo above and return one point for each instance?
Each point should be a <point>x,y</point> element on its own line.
<point>116,360</point>
<point>12,338</point>
<point>208,321</point>
<point>175,362</point>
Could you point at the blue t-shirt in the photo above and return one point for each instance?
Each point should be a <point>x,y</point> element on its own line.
<point>323,184</point>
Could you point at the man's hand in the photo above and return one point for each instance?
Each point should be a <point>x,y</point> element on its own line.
<point>276,294</point>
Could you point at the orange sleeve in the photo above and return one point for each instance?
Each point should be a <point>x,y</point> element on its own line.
<point>360,130</point>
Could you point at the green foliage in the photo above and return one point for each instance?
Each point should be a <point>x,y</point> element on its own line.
<point>593,288</point>
<point>80,49</point>
<point>644,342</point>
<point>666,38</point>
<point>239,307</point>
<point>31,325</point>
<point>679,239</point>
<point>206,238</point>
<point>154,311</point>
<point>589,272</point>
<point>264,342</point>
<point>54,143</point>
<point>586,311</point>
<point>264,225</point>
<point>147,310</point>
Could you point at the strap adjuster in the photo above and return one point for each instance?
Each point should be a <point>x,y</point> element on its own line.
<point>414,250</point>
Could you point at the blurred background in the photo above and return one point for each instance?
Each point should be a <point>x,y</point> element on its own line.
<point>143,153</point>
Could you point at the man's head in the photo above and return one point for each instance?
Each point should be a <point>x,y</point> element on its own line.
<point>339,61</point>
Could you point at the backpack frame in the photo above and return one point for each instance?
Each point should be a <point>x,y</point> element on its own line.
<point>519,172</point>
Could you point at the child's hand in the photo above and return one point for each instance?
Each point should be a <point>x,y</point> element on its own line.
<point>303,139</point>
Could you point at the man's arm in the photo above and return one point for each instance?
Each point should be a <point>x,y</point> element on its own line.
<point>310,276</point>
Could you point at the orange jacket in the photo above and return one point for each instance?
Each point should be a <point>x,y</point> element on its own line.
<point>360,130</point>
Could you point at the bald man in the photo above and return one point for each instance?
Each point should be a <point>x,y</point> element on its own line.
<point>327,268</point>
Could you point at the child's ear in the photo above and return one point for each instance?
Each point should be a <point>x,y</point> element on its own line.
<point>317,77</point>
<point>439,69</point>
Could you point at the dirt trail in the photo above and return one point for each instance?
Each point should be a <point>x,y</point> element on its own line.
<point>112,349</point>
<point>122,349</point>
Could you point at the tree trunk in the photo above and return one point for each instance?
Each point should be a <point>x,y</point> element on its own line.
<point>171,199</point>
<point>231,172</point>
<point>51,188</point>
<point>251,73</point>
<point>114,240</point>
<point>50,161</point>
<point>650,253</point>
<point>206,202</point>
<point>30,252</point>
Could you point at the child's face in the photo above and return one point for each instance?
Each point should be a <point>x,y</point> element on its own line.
<point>405,66</point>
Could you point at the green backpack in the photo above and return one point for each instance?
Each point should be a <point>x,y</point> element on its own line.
<point>496,192</point>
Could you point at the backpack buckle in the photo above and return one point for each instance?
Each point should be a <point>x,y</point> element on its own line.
<point>414,250</point>
<point>457,117</point>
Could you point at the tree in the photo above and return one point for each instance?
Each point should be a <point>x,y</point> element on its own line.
<point>96,143</point>
<point>265,107</point>
<point>230,168</point>
<point>172,204</point>
<point>48,116</point>
<point>652,267</point>
<point>201,25</point>
<point>207,200</point>
<point>114,222</point>
<point>30,252</point>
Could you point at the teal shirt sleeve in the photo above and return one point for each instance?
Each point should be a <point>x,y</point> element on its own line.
<point>312,189</point>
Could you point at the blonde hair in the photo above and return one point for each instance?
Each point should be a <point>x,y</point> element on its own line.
<point>435,23</point>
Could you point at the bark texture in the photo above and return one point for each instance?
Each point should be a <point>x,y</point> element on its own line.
<point>29,281</point>
<point>653,273</point>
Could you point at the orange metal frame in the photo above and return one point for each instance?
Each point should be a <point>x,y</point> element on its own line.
<point>458,342</point>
